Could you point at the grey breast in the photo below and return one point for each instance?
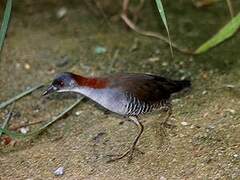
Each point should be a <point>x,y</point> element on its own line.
<point>111,99</point>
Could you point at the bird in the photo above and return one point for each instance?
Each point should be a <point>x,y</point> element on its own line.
<point>126,94</point>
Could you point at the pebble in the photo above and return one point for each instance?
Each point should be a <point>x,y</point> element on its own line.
<point>59,171</point>
<point>153,59</point>
<point>230,86</point>
<point>235,155</point>
<point>100,50</point>
<point>27,66</point>
<point>61,12</point>
<point>163,178</point>
<point>232,111</point>
<point>184,123</point>
<point>204,92</point>
<point>176,100</point>
<point>164,64</point>
<point>24,130</point>
<point>192,126</point>
<point>211,126</point>
<point>78,113</point>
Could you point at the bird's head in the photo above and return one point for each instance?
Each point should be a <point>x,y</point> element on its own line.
<point>63,83</point>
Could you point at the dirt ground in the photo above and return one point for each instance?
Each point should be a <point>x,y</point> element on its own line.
<point>203,145</point>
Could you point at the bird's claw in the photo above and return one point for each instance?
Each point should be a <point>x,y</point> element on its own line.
<point>129,152</point>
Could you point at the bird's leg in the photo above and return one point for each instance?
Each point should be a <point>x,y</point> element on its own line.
<point>130,151</point>
<point>164,124</point>
<point>168,110</point>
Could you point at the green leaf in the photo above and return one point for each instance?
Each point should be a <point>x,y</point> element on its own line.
<point>162,14</point>
<point>6,18</point>
<point>226,32</point>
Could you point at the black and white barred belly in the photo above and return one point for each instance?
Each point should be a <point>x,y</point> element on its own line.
<point>136,107</point>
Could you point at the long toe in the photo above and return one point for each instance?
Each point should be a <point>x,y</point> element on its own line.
<point>129,153</point>
<point>117,156</point>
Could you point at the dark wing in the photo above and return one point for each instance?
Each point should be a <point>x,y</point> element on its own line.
<point>147,88</point>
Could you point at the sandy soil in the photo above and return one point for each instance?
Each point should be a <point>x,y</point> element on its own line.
<point>203,145</point>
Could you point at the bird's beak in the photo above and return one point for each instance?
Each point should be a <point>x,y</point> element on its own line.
<point>49,90</point>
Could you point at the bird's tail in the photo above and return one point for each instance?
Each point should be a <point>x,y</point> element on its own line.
<point>180,85</point>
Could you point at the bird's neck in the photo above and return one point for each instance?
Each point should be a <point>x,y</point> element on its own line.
<point>91,87</point>
<point>93,82</point>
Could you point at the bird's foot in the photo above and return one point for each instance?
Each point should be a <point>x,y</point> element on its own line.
<point>128,153</point>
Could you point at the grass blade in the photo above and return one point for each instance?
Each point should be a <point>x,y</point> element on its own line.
<point>17,135</point>
<point>5,22</point>
<point>19,96</point>
<point>230,8</point>
<point>226,32</point>
<point>164,19</point>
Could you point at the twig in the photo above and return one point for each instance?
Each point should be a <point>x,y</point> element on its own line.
<point>19,96</point>
<point>230,7</point>
<point>125,5</point>
<point>9,116</point>
<point>14,128</point>
<point>153,34</point>
<point>135,12</point>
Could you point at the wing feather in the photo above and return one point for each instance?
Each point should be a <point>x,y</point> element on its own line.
<point>147,88</point>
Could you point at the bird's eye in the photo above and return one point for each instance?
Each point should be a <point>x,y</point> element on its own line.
<point>61,83</point>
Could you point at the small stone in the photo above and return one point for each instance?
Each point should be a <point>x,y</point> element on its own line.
<point>27,66</point>
<point>211,126</point>
<point>235,155</point>
<point>100,50</point>
<point>164,64</point>
<point>163,178</point>
<point>61,12</point>
<point>230,86</point>
<point>59,171</point>
<point>192,126</point>
<point>176,100</point>
<point>204,92</point>
<point>153,59</point>
<point>181,135</point>
<point>184,123</point>
<point>232,111</point>
<point>78,113</point>
<point>24,130</point>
